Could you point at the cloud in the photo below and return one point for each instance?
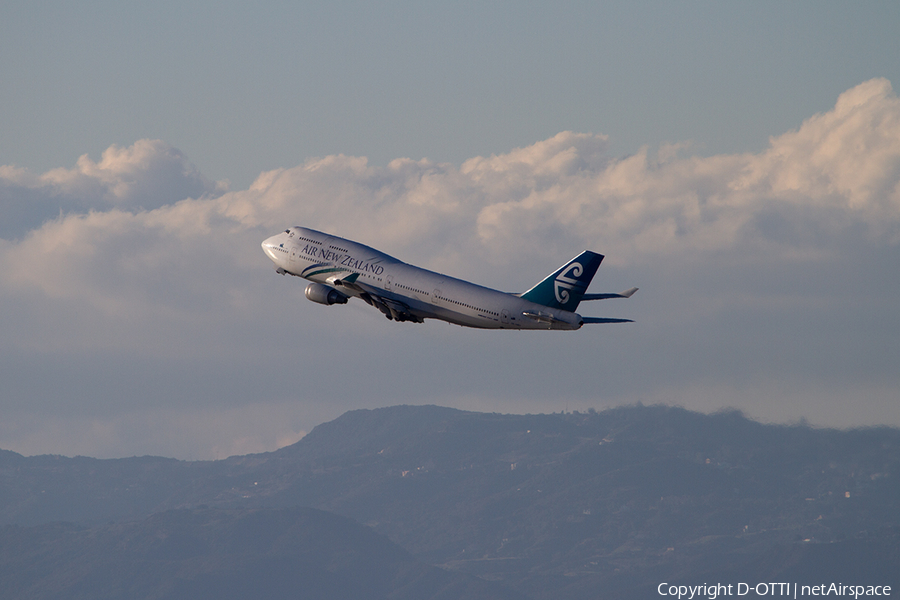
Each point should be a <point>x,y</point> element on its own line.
<point>147,175</point>
<point>751,266</point>
<point>839,169</point>
<point>848,157</point>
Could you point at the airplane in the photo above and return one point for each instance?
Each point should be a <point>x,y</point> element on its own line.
<point>340,269</point>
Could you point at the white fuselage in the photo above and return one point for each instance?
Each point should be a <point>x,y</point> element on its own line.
<point>406,291</point>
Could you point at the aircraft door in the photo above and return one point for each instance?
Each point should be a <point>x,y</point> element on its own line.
<point>504,316</point>
<point>293,252</point>
<point>388,282</point>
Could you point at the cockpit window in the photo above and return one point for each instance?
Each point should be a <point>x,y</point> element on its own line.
<point>287,230</point>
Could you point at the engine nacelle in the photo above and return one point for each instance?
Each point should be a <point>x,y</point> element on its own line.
<point>324,294</point>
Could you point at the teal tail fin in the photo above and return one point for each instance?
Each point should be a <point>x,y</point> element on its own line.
<point>565,288</point>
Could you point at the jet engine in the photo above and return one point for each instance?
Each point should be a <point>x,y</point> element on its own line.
<point>324,294</point>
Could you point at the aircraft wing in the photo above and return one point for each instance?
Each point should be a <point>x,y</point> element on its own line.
<point>391,308</point>
<point>348,281</point>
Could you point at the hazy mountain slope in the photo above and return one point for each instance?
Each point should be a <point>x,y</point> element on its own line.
<point>219,554</point>
<point>42,489</point>
<point>558,505</point>
<point>580,502</point>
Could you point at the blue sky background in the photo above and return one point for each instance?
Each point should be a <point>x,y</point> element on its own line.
<point>723,176</point>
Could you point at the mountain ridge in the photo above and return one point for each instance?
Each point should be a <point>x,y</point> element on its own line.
<point>551,505</point>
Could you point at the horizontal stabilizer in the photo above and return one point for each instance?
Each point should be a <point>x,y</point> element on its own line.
<point>625,294</point>
<point>589,320</point>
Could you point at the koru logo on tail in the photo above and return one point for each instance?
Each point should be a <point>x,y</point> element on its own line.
<point>564,283</point>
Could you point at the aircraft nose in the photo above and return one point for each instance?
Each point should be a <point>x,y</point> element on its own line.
<point>269,245</point>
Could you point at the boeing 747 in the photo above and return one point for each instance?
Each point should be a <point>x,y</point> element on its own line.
<point>340,269</point>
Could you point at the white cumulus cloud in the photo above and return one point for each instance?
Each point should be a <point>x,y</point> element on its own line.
<point>147,175</point>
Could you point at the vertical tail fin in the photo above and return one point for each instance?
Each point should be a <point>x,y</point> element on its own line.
<point>565,287</point>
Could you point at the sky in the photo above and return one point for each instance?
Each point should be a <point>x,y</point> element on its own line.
<point>739,163</point>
